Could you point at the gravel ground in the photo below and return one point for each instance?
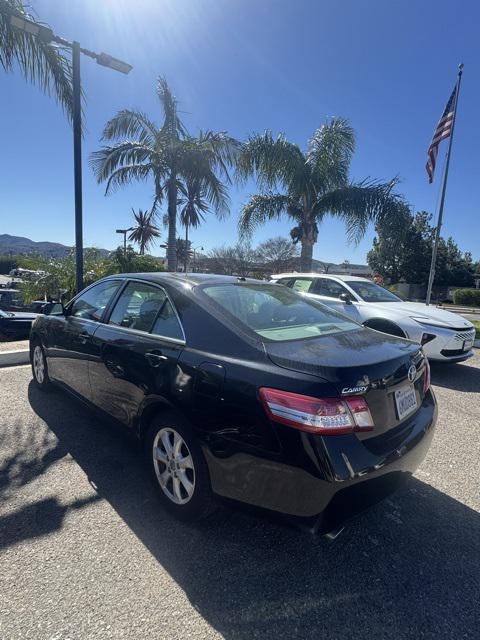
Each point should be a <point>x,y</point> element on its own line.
<point>13,344</point>
<point>87,552</point>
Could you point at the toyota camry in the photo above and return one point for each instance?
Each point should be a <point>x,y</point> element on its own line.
<point>243,390</point>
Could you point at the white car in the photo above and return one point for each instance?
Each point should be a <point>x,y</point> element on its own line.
<point>444,335</point>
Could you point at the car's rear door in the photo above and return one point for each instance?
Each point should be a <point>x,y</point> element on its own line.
<point>136,351</point>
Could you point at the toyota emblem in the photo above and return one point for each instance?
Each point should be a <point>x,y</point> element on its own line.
<point>412,372</point>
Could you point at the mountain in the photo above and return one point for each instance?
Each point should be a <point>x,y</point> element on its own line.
<point>17,245</point>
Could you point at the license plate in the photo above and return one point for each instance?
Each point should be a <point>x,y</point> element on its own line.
<point>467,345</point>
<point>406,401</point>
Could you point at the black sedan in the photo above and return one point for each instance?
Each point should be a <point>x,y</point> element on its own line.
<point>15,325</point>
<point>243,390</point>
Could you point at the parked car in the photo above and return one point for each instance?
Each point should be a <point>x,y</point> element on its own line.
<point>11,300</point>
<point>445,336</point>
<point>243,390</point>
<point>15,325</point>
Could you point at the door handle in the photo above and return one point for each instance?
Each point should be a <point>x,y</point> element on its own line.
<point>155,359</point>
<point>83,337</point>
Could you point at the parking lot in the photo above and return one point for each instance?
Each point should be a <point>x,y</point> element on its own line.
<point>87,552</point>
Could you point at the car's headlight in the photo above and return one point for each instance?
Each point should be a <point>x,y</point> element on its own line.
<point>430,322</point>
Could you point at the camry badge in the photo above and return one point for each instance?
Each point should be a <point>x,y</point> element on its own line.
<point>412,372</point>
<point>350,390</point>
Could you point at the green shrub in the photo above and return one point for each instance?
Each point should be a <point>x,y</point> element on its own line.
<point>467,297</point>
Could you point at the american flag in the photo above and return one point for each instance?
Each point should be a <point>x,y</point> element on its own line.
<point>443,130</point>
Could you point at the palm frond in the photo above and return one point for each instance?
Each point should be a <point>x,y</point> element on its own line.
<point>132,125</point>
<point>215,193</point>
<point>109,158</point>
<point>124,175</point>
<point>172,124</point>
<point>264,207</point>
<point>359,204</point>
<point>273,161</point>
<point>43,64</point>
<point>330,153</point>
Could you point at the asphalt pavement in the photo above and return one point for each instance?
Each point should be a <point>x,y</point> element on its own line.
<point>88,553</point>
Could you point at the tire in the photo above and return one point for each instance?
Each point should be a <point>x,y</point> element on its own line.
<point>39,366</point>
<point>385,326</point>
<point>177,467</point>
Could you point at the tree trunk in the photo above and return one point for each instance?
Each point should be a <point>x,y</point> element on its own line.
<point>306,253</point>
<point>186,248</point>
<point>172,224</point>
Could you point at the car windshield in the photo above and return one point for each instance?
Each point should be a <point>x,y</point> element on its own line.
<point>371,292</point>
<point>277,313</point>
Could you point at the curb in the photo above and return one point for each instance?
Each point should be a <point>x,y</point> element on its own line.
<point>14,358</point>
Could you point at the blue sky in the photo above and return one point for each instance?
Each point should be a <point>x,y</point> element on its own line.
<point>244,66</point>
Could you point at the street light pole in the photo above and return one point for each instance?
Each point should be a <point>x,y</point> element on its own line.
<point>20,21</point>
<point>124,231</point>
<point>77,164</point>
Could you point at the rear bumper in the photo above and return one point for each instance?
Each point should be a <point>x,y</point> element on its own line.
<point>327,479</point>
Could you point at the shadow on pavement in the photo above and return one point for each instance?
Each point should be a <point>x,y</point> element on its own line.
<point>459,377</point>
<point>409,568</point>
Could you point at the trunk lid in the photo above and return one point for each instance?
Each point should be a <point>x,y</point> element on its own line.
<point>361,362</point>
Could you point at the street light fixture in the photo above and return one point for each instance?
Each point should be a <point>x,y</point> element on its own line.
<point>124,231</point>
<point>19,21</point>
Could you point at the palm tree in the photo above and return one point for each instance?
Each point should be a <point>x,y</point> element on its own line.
<point>40,62</point>
<point>168,154</point>
<point>194,206</point>
<point>314,184</point>
<point>145,231</point>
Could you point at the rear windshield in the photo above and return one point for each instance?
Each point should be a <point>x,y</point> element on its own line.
<point>277,313</point>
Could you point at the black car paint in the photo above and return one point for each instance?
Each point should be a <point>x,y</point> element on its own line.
<point>214,378</point>
<point>16,325</point>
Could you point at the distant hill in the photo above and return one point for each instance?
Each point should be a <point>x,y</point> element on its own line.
<point>24,246</point>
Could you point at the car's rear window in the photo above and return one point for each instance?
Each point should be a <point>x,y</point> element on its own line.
<point>277,313</point>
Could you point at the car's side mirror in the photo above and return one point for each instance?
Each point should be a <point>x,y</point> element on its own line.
<point>54,309</point>
<point>346,298</point>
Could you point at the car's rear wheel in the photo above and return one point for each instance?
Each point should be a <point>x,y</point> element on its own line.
<point>178,468</point>
<point>40,367</point>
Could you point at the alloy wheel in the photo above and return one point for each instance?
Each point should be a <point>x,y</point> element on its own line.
<point>38,364</point>
<point>174,466</point>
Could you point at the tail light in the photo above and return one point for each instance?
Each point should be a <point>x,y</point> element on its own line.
<point>325,416</point>
<point>426,377</point>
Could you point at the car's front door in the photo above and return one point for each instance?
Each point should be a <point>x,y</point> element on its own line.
<point>136,351</point>
<point>329,291</point>
<point>69,341</point>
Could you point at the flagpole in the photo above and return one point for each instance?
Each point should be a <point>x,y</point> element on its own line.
<point>438,228</point>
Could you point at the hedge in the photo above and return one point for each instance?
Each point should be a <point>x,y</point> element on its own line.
<point>467,297</point>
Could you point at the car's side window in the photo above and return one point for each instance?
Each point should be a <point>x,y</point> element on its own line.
<point>91,304</point>
<point>287,282</point>
<point>138,306</point>
<point>329,288</point>
<point>167,324</point>
<point>303,285</point>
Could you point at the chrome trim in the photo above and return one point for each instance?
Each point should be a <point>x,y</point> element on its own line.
<point>144,333</point>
